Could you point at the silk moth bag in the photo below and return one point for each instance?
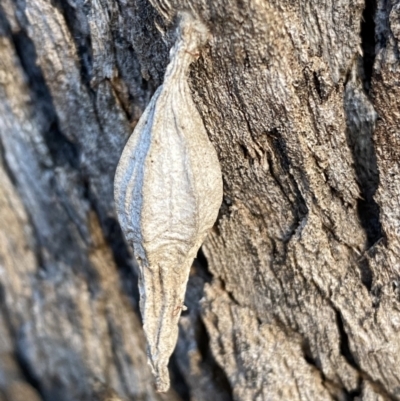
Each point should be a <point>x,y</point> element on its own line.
<point>168,190</point>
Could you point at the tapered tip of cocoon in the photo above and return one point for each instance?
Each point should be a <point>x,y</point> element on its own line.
<point>162,379</point>
<point>194,32</point>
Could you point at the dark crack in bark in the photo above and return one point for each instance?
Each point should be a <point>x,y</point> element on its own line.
<point>27,373</point>
<point>350,358</point>
<point>361,118</point>
<point>62,149</point>
<point>368,41</point>
<point>214,380</point>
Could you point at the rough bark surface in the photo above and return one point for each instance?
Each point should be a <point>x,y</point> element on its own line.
<point>298,294</point>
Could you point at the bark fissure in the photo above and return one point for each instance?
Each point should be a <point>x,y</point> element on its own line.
<point>203,339</point>
<point>62,149</point>
<point>356,393</point>
<point>28,374</point>
<point>349,356</point>
<point>178,380</point>
<point>368,41</point>
<point>344,342</point>
<point>300,209</point>
<point>57,142</point>
<point>6,166</point>
<point>197,336</point>
<point>335,389</point>
<point>361,121</point>
<point>78,25</point>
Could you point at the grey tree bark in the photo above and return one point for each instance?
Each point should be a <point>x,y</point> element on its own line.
<point>296,293</point>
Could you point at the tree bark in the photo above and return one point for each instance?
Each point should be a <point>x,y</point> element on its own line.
<point>296,292</point>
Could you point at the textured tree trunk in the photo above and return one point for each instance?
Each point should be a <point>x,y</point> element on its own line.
<point>296,294</point>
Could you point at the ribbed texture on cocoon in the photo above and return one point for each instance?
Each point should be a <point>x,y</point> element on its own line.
<point>168,190</point>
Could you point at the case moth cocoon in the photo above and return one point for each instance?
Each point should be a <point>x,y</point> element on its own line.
<point>168,190</point>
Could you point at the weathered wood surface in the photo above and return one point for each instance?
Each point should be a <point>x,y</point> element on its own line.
<point>302,102</point>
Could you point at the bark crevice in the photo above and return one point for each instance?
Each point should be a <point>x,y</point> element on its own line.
<point>368,41</point>
<point>61,148</point>
<point>25,369</point>
<point>345,349</point>
<point>300,209</point>
<point>344,342</point>
<point>28,372</point>
<point>361,122</point>
<point>336,390</point>
<point>78,25</point>
<point>217,381</point>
